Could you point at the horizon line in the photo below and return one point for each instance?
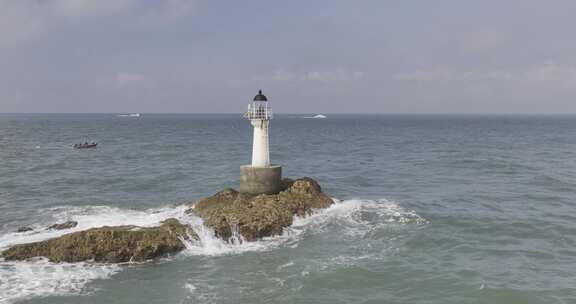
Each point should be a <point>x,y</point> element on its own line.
<point>293,113</point>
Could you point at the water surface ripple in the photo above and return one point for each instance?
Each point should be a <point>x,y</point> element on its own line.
<point>430,209</point>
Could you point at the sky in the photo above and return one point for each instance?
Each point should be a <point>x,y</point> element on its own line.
<point>314,56</point>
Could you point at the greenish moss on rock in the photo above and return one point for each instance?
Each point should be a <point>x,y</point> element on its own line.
<point>255,217</point>
<point>109,244</point>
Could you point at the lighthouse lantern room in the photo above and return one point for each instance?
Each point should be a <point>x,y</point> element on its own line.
<point>260,177</point>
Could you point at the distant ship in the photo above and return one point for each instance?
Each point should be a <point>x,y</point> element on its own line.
<point>130,115</point>
<point>316,116</point>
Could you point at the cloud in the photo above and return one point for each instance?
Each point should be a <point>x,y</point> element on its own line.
<point>125,79</point>
<point>446,74</point>
<point>548,74</point>
<point>441,74</point>
<point>19,22</point>
<point>22,20</point>
<point>564,75</point>
<point>177,8</point>
<point>481,41</point>
<point>328,76</point>
<point>82,8</point>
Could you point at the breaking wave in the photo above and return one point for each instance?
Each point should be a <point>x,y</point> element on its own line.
<point>40,278</point>
<point>22,280</point>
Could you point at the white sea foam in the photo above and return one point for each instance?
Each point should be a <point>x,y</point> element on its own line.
<point>367,216</point>
<point>24,280</point>
<point>354,215</point>
<point>20,280</point>
<point>201,292</point>
<point>210,245</point>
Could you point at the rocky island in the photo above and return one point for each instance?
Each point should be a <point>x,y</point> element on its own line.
<point>252,216</point>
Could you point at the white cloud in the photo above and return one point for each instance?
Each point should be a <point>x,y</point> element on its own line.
<point>22,20</point>
<point>19,22</point>
<point>564,75</point>
<point>124,79</point>
<point>332,76</point>
<point>177,8</point>
<point>481,41</point>
<point>327,76</point>
<point>435,74</point>
<point>547,74</point>
<point>280,75</point>
<point>81,8</point>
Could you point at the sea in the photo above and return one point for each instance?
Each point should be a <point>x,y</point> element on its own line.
<point>433,209</point>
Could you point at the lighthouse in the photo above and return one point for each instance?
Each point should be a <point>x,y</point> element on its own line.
<point>260,177</point>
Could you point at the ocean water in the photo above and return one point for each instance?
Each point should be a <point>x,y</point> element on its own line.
<point>429,208</point>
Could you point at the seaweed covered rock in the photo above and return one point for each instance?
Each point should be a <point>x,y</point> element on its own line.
<point>109,244</point>
<point>255,217</point>
<point>303,195</point>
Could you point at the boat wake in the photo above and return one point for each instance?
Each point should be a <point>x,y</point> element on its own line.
<point>38,278</point>
<point>129,115</point>
<point>319,116</point>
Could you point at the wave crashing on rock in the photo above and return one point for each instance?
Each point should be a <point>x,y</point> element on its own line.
<point>227,213</point>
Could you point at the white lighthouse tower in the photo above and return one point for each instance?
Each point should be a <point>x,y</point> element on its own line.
<point>260,113</point>
<point>260,177</point>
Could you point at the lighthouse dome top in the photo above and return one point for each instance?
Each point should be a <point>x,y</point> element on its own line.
<point>260,96</point>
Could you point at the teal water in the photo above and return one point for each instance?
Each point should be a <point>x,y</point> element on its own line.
<point>430,208</point>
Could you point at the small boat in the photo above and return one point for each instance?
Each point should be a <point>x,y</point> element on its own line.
<point>85,143</point>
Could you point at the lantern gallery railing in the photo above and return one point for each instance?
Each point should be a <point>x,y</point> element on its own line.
<point>259,111</point>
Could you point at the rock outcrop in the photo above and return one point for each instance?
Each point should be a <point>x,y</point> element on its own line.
<point>255,217</point>
<point>227,212</point>
<point>109,244</point>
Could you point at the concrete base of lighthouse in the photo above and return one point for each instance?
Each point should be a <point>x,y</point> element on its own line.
<point>260,180</point>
